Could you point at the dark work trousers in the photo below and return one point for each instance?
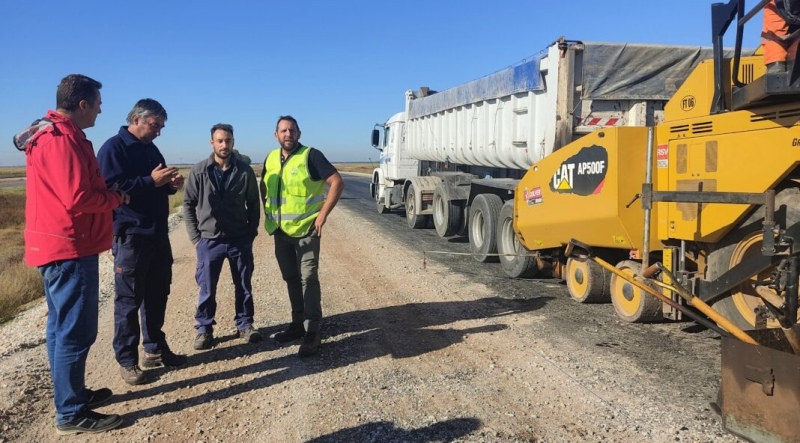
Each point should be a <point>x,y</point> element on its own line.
<point>142,276</point>
<point>211,253</point>
<point>298,259</point>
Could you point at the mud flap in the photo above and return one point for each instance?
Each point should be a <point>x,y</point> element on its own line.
<point>760,389</point>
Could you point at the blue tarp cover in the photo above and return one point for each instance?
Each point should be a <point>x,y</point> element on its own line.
<point>609,71</point>
<point>522,77</point>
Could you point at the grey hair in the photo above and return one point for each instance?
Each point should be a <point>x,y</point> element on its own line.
<point>147,107</point>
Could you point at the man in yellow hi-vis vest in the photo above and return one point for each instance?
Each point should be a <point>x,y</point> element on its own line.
<point>293,192</point>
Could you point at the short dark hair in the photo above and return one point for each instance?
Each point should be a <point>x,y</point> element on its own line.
<point>74,88</point>
<point>223,126</point>
<point>287,118</point>
<point>147,107</point>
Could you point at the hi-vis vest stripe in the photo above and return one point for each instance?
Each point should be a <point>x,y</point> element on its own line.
<point>293,199</point>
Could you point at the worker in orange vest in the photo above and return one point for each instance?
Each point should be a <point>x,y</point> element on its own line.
<point>773,37</point>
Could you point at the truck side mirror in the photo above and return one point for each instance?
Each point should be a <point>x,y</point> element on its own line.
<point>376,138</point>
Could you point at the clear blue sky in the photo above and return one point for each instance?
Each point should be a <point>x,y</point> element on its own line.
<point>339,67</point>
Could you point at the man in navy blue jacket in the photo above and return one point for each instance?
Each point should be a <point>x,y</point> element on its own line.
<point>130,162</point>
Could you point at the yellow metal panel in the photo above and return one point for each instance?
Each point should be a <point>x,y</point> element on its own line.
<point>581,191</point>
<point>741,151</point>
<point>693,99</point>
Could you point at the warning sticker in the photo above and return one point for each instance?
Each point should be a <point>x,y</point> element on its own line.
<point>662,156</point>
<point>532,196</point>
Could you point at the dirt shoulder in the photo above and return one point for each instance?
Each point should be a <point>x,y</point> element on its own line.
<point>409,354</point>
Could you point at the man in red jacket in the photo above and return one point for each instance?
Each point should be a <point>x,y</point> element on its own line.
<point>68,219</point>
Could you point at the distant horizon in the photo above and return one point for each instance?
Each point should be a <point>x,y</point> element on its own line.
<point>22,165</point>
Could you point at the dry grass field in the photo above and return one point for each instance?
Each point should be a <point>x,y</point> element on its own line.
<point>365,168</point>
<point>19,284</point>
<point>12,172</point>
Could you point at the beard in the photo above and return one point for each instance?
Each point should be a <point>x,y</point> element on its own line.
<point>289,145</point>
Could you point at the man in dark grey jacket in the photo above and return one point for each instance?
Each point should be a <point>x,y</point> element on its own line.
<point>221,210</point>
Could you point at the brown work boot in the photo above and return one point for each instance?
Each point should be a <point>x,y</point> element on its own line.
<point>133,375</point>
<point>165,358</point>
<point>249,334</point>
<point>204,341</point>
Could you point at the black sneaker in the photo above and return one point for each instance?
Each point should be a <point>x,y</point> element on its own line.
<point>89,422</point>
<point>97,398</point>
<point>204,341</point>
<point>164,359</point>
<point>310,345</point>
<point>249,334</point>
<point>295,331</point>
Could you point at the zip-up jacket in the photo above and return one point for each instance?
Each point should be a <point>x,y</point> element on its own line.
<point>127,163</point>
<point>68,206</point>
<point>221,210</point>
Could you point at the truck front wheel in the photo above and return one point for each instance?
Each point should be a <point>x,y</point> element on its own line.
<point>381,204</point>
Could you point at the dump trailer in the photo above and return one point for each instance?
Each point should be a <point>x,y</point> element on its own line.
<point>451,159</point>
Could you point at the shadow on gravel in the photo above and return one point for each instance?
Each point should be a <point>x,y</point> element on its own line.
<point>348,338</point>
<point>387,431</point>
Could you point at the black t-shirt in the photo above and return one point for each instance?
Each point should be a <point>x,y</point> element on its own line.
<point>319,168</point>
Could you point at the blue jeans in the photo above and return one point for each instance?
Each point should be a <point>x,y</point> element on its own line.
<point>72,291</point>
<point>142,276</point>
<point>211,254</point>
<point>298,260</point>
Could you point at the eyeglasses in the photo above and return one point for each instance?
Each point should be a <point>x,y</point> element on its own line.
<point>155,126</point>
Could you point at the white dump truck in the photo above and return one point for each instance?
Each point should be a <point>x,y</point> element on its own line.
<point>455,156</point>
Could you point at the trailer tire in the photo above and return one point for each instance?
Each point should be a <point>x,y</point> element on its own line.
<point>516,260</point>
<point>744,241</point>
<point>587,282</point>
<point>447,214</point>
<point>415,221</point>
<point>462,228</point>
<point>483,216</point>
<point>631,303</point>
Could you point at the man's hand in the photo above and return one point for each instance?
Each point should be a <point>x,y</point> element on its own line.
<point>176,183</point>
<point>162,175</point>
<point>123,197</point>
<point>319,223</point>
